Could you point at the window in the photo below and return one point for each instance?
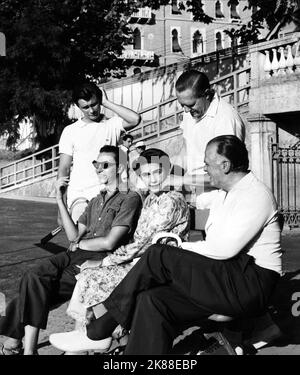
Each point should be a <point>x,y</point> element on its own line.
<point>137,40</point>
<point>175,9</point>
<point>234,42</point>
<point>233,10</point>
<point>198,46</point>
<point>175,41</point>
<point>219,41</point>
<point>218,8</point>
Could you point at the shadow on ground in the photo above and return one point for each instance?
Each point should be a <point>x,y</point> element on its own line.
<point>284,310</point>
<point>51,247</point>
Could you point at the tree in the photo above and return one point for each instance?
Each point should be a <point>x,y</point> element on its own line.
<point>54,44</point>
<point>273,13</point>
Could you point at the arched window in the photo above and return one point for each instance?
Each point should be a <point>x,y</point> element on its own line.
<point>233,11</point>
<point>198,46</point>
<point>175,42</point>
<point>218,12</point>
<point>137,40</point>
<point>219,44</point>
<point>234,42</point>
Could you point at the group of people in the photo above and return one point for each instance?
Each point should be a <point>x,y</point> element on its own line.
<point>111,271</point>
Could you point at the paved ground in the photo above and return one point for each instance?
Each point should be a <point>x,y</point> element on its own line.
<point>24,223</point>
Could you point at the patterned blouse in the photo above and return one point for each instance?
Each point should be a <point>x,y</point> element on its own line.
<point>167,211</point>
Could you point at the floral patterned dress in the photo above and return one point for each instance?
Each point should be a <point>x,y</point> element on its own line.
<point>167,211</point>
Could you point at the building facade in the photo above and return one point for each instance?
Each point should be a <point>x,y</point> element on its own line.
<point>169,34</point>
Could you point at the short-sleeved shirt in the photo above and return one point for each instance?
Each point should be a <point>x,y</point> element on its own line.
<point>220,119</point>
<point>83,141</point>
<point>121,209</point>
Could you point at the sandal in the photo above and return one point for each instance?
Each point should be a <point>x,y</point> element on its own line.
<point>10,351</point>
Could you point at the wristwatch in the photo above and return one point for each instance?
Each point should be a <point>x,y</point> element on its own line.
<point>72,243</point>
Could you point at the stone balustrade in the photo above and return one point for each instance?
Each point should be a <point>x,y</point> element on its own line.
<point>281,60</point>
<point>276,58</point>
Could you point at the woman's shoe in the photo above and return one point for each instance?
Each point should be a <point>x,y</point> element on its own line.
<point>77,341</point>
<point>11,351</point>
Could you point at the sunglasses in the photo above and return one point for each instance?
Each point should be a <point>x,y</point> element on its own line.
<point>102,164</point>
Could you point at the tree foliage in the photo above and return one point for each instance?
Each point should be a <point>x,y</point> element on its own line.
<point>266,12</point>
<point>54,44</point>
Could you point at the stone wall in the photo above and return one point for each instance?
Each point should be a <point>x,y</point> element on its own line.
<point>42,188</point>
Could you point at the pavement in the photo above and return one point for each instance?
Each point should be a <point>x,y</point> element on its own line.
<point>24,222</point>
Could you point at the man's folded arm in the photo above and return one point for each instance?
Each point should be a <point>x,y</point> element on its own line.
<point>106,243</point>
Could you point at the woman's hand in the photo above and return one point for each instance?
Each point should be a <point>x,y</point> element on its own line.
<point>132,248</point>
<point>90,264</point>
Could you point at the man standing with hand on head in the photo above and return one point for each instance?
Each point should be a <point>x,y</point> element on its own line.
<point>80,143</point>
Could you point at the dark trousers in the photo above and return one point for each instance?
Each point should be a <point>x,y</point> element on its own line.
<point>41,289</point>
<point>170,287</point>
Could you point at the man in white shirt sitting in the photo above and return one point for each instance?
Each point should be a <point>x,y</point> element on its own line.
<point>232,272</point>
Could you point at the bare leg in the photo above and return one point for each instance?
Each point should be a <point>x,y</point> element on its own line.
<point>30,340</point>
<point>78,327</point>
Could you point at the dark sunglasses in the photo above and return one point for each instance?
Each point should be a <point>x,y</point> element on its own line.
<point>102,164</point>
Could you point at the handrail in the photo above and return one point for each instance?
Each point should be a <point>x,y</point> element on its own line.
<point>18,172</point>
<point>157,119</point>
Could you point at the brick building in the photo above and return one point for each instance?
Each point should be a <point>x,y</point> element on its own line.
<point>169,34</point>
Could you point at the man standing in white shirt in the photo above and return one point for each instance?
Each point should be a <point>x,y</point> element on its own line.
<point>232,272</point>
<point>80,142</point>
<point>206,116</point>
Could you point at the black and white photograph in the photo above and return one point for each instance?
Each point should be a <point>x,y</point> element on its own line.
<point>150,180</point>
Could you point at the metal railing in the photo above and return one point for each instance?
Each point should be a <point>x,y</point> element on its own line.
<point>157,120</point>
<point>286,181</point>
<point>28,169</point>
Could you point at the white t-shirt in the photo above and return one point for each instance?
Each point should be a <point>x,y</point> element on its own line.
<point>83,141</point>
<point>220,119</point>
<point>244,219</point>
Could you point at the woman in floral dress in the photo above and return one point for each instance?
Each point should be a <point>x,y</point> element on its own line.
<point>163,210</point>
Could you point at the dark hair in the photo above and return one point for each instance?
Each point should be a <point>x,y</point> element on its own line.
<point>127,136</point>
<point>152,155</point>
<point>234,150</point>
<point>118,154</point>
<point>86,91</point>
<point>196,81</point>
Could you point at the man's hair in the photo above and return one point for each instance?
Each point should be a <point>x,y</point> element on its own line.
<point>234,150</point>
<point>152,155</point>
<point>118,154</point>
<point>197,81</point>
<point>86,91</point>
<point>127,136</point>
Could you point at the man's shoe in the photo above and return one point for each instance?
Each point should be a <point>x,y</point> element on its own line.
<point>11,351</point>
<point>77,341</point>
